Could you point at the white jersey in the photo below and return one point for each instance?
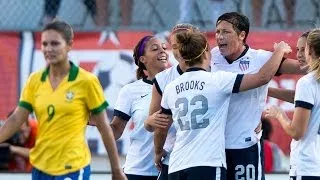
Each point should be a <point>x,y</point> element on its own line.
<point>199,102</point>
<point>308,96</point>
<point>294,152</point>
<point>161,80</point>
<point>133,103</point>
<point>245,107</point>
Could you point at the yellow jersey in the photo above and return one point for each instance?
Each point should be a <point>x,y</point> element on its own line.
<point>62,115</point>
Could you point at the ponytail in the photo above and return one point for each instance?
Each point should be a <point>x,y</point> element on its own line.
<point>313,42</point>
<point>137,53</point>
<point>315,66</point>
<point>140,71</point>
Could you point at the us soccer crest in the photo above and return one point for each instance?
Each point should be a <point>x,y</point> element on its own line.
<point>244,64</point>
<point>69,96</point>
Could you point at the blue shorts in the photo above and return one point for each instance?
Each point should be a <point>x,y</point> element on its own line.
<point>139,177</point>
<point>245,163</point>
<point>293,177</point>
<point>83,174</point>
<point>308,178</point>
<point>163,175</point>
<point>199,173</point>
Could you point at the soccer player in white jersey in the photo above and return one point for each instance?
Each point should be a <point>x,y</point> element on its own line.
<point>156,119</point>
<point>243,149</point>
<point>198,102</point>
<point>305,125</point>
<point>288,95</point>
<point>133,103</point>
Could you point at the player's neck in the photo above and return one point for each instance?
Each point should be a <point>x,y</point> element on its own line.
<point>59,70</point>
<point>183,67</point>
<point>234,56</point>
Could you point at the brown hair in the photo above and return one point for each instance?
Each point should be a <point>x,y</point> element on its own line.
<point>192,46</point>
<point>305,34</point>
<point>239,22</point>
<point>184,27</point>
<point>63,28</point>
<point>313,42</point>
<point>139,51</point>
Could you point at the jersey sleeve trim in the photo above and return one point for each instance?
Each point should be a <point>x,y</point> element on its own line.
<point>155,82</point>
<point>25,105</point>
<point>303,104</point>
<point>237,83</point>
<point>121,115</point>
<point>166,111</point>
<point>99,109</point>
<point>278,73</point>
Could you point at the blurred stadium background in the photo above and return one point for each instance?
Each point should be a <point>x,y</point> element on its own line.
<point>104,46</point>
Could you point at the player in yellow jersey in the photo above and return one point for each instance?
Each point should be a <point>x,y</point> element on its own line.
<point>62,96</point>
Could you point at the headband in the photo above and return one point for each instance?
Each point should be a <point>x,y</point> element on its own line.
<point>188,60</point>
<point>141,47</point>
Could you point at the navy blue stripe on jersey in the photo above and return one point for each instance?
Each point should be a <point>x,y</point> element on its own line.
<point>166,111</point>
<point>155,82</point>
<point>303,104</point>
<point>237,83</point>
<point>278,73</point>
<point>179,70</point>
<point>195,69</point>
<point>121,115</point>
<point>147,81</point>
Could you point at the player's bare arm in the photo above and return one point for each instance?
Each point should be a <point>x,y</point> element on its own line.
<point>150,122</point>
<point>292,66</point>
<point>105,130</point>
<point>13,123</point>
<point>268,70</point>
<point>282,94</point>
<point>160,136</point>
<point>117,125</point>
<point>295,128</point>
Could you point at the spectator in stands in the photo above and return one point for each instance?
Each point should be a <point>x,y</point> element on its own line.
<point>20,153</point>
<point>187,6</point>
<point>273,155</point>
<point>257,10</point>
<point>15,151</point>
<point>97,8</point>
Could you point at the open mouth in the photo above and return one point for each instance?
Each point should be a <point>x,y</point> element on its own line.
<point>163,58</point>
<point>222,46</point>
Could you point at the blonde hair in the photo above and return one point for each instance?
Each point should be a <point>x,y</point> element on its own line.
<point>313,42</point>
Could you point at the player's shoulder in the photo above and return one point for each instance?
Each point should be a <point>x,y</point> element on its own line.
<point>166,72</point>
<point>171,85</point>
<point>308,79</point>
<point>215,51</point>
<point>216,55</point>
<point>138,84</point>
<point>258,53</point>
<point>83,74</point>
<point>38,76</point>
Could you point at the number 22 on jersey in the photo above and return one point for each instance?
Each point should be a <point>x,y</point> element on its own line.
<point>195,124</point>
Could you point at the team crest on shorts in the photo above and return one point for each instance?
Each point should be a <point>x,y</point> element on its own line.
<point>244,64</point>
<point>69,96</point>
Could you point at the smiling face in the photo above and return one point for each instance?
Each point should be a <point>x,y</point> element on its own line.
<point>54,47</point>
<point>175,47</point>
<point>155,56</point>
<point>301,45</point>
<point>230,42</point>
